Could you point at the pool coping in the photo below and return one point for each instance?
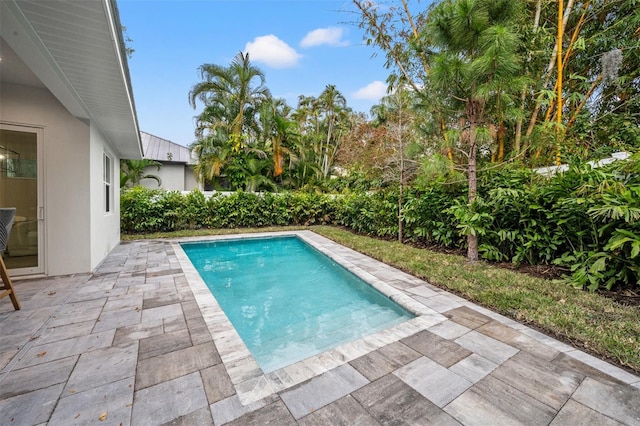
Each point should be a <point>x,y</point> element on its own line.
<point>250,382</point>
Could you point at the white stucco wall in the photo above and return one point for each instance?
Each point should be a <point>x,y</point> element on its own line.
<point>190,181</point>
<point>105,227</point>
<point>172,176</point>
<point>175,177</point>
<point>76,236</point>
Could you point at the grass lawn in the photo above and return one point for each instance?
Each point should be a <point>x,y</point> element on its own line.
<point>589,321</point>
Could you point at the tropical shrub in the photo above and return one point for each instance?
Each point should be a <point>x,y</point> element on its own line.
<point>585,220</point>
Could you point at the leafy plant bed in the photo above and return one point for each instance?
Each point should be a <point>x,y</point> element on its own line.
<point>625,297</point>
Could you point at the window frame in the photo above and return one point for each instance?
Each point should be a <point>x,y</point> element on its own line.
<point>107,183</point>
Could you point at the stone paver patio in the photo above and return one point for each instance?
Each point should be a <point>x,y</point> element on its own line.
<point>142,342</point>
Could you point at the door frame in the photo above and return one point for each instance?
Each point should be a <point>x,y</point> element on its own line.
<point>40,208</point>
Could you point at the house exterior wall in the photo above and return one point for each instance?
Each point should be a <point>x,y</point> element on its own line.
<point>68,177</point>
<point>190,181</point>
<point>105,226</point>
<point>175,177</point>
<point>171,175</point>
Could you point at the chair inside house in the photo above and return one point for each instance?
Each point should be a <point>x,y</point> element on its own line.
<point>6,222</point>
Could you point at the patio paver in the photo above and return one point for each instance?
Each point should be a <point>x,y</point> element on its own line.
<point>138,342</point>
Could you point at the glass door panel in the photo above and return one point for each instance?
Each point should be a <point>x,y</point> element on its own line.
<point>19,188</point>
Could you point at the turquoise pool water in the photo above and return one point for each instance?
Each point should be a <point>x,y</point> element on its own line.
<point>287,300</point>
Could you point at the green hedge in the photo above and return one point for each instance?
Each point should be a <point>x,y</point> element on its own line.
<point>585,220</point>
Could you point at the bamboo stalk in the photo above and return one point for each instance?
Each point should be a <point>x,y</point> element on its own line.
<point>559,82</point>
<point>547,75</point>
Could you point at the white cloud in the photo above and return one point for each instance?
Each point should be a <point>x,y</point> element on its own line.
<point>373,91</point>
<point>331,36</point>
<point>272,51</point>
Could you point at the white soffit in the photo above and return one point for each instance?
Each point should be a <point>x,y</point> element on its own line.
<point>75,48</point>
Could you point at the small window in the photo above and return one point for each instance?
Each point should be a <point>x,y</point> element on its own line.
<point>108,192</point>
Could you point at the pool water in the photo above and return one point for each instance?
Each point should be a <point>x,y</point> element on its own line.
<point>287,300</point>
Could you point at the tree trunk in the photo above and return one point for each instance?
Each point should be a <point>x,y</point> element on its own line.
<point>472,240</point>
<point>400,211</point>
<point>401,150</point>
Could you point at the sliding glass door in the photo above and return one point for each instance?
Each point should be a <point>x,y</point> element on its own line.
<point>20,187</point>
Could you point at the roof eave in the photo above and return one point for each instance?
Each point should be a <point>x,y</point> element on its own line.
<point>121,129</point>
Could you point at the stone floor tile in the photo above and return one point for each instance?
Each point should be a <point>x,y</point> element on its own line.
<point>275,413</point>
<point>164,343</point>
<point>155,299</point>
<point>298,372</point>
<point>50,297</point>
<point>254,389</point>
<point>243,369</point>
<point>539,379</point>
<point>122,301</point>
<point>229,409</point>
<point>217,384</point>
<point>65,348</point>
<point>612,370</point>
<point>111,402</point>
<point>433,381</point>
<point>168,400</point>
<point>493,402</point>
<point>443,351</point>
<point>391,401</point>
<point>322,390</point>
<point>547,340</point>
<point>190,308</point>
<point>30,408</point>
<point>175,323</point>
<point>575,413</point>
<point>423,291</point>
<point>199,334</point>
<point>121,317</point>
<point>487,347</point>
<point>568,362</point>
<point>37,377</point>
<point>152,371</point>
<point>449,330</point>
<point>620,402</point>
<point>26,321</point>
<point>441,303</point>
<point>467,317</point>
<point>384,360</point>
<point>344,412</point>
<point>137,332</point>
<point>6,357</point>
<point>519,340</point>
<point>474,368</point>
<point>161,312</point>
<point>14,342</point>
<point>103,366</point>
<point>63,332</point>
<point>201,417</point>
<point>78,312</point>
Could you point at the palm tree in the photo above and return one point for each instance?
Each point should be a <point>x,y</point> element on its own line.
<point>256,175</point>
<point>334,106</point>
<point>133,171</point>
<point>231,97</point>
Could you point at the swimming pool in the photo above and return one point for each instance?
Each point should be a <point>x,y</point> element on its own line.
<point>288,301</point>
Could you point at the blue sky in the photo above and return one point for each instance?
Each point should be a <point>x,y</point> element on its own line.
<point>301,45</point>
